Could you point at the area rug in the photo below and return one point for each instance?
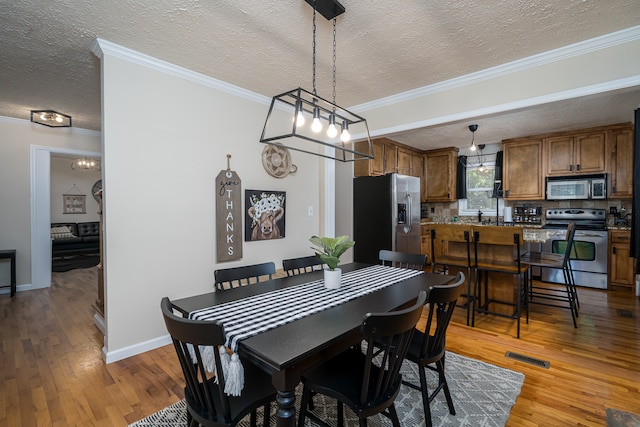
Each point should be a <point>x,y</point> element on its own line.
<point>483,395</point>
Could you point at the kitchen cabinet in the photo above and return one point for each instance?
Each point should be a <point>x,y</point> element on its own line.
<point>622,268</point>
<point>620,142</point>
<point>384,161</point>
<point>425,242</point>
<point>523,177</point>
<point>403,159</point>
<point>417,167</point>
<point>576,154</point>
<point>441,167</point>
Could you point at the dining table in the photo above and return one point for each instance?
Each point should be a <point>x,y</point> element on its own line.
<point>285,352</point>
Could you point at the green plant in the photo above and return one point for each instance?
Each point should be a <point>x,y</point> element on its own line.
<point>329,249</point>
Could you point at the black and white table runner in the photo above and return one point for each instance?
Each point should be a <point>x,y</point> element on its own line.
<point>250,316</point>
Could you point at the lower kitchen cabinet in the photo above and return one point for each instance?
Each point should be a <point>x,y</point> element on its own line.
<point>425,243</point>
<point>622,268</point>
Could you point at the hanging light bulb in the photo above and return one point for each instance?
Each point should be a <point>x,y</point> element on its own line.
<point>345,136</point>
<point>58,119</point>
<point>332,131</point>
<point>316,125</point>
<point>473,129</point>
<point>299,117</point>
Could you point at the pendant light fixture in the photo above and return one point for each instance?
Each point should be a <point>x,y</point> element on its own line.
<point>473,129</point>
<point>287,119</point>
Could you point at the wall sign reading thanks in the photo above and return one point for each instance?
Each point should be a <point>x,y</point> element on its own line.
<point>228,215</point>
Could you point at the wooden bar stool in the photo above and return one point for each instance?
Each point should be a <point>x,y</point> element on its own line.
<point>490,258</point>
<point>445,256</point>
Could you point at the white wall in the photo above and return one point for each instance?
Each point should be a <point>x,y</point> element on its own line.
<point>63,181</point>
<point>16,139</point>
<point>166,138</point>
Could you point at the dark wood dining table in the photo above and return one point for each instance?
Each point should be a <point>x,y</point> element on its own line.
<point>287,351</point>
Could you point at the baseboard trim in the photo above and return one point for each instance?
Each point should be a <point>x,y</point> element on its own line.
<point>123,353</point>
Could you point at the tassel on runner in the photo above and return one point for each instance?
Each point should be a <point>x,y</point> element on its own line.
<point>234,376</point>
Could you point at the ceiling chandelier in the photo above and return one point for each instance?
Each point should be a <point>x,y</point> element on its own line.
<point>289,113</point>
<point>85,164</point>
<point>51,118</point>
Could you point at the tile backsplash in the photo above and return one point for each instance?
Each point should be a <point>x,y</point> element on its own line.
<point>445,212</point>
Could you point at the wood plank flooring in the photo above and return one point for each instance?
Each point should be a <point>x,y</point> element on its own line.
<point>53,373</point>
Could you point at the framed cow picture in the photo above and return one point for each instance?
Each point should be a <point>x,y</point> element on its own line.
<point>265,215</point>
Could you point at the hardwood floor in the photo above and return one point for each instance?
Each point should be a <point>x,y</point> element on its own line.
<point>53,373</point>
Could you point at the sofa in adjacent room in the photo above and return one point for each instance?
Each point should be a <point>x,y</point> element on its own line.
<point>71,238</point>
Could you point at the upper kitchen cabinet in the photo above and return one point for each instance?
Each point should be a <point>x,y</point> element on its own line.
<point>583,153</point>
<point>410,162</point>
<point>441,167</point>
<point>384,161</point>
<point>523,177</point>
<point>620,148</point>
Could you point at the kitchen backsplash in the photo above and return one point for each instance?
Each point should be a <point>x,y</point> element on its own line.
<point>446,212</point>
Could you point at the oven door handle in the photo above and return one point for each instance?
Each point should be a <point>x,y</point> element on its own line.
<point>587,234</point>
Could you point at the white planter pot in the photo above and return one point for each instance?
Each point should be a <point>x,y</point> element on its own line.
<point>332,278</point>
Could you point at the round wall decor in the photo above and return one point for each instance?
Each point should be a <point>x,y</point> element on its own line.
<point>96,187</point>
<point>276,160</point>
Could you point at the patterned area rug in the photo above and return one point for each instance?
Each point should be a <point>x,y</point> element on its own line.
<point>483,395</point>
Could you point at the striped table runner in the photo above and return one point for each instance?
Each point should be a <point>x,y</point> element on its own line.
<point>250,316</point>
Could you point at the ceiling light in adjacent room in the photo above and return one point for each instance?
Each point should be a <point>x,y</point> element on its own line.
<point>85,164</point>
<point>50,118</point>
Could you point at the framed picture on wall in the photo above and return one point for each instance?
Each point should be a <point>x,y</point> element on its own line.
<point>265,215</point>
<point>74,204</point>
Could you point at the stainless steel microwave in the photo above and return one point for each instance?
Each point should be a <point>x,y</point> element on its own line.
<point>587,187</point>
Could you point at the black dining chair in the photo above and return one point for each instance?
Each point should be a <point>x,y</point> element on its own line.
<point>402,259</point>
<point>550,294</point>
<point>235,277</point>
<point>427,349</point>
<point>368,383</point>
<point>207,403</point>
<point>301,265</point>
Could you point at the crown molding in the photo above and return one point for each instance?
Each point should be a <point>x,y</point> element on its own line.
<point>515,105</point>
<point>580,48</point>
<point>101,47</point>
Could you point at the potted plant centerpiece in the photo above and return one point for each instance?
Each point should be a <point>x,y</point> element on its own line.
<point>328,250</point>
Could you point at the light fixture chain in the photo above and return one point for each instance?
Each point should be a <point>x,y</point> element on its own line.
<point>314,47</point>
<point>334,60</point>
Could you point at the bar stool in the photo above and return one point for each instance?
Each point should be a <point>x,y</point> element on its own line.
<point>510,263</point>
<point>443,258</point>
<point>548,294</point>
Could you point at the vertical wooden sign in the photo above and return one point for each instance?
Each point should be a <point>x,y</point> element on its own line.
<point>228,216</point>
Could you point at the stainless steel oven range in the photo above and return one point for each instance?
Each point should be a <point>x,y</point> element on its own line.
<point>589,262</point>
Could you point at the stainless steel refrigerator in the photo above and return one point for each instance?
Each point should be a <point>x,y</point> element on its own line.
<point>386,215</point>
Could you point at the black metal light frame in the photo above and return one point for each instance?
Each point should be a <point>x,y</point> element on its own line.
<point>287,105</point>
<point>50,119</point>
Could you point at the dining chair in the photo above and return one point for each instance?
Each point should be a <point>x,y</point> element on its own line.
<point>451,250</point>
<point>495,240</point>
<point>402,259</point>
<point>366,383</point>
<point>547,293</point>
<point>301,265</point>
<point>235,277</point>
<point>427,349</point>
<point>207,403</point>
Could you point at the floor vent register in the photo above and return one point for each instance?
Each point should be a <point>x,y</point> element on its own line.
<point>625,313</point>
<point>527,359</point>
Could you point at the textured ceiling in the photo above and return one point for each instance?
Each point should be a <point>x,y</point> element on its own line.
<point>384,48</point>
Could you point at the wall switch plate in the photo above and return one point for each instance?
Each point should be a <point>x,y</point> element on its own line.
<point>310,211</point>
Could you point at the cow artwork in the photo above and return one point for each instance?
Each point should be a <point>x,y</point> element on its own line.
<point>265,215</point>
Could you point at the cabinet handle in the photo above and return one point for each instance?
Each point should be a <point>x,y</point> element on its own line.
<point>570,168</point>
<point>578,167</point>
<point>614,250</point>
